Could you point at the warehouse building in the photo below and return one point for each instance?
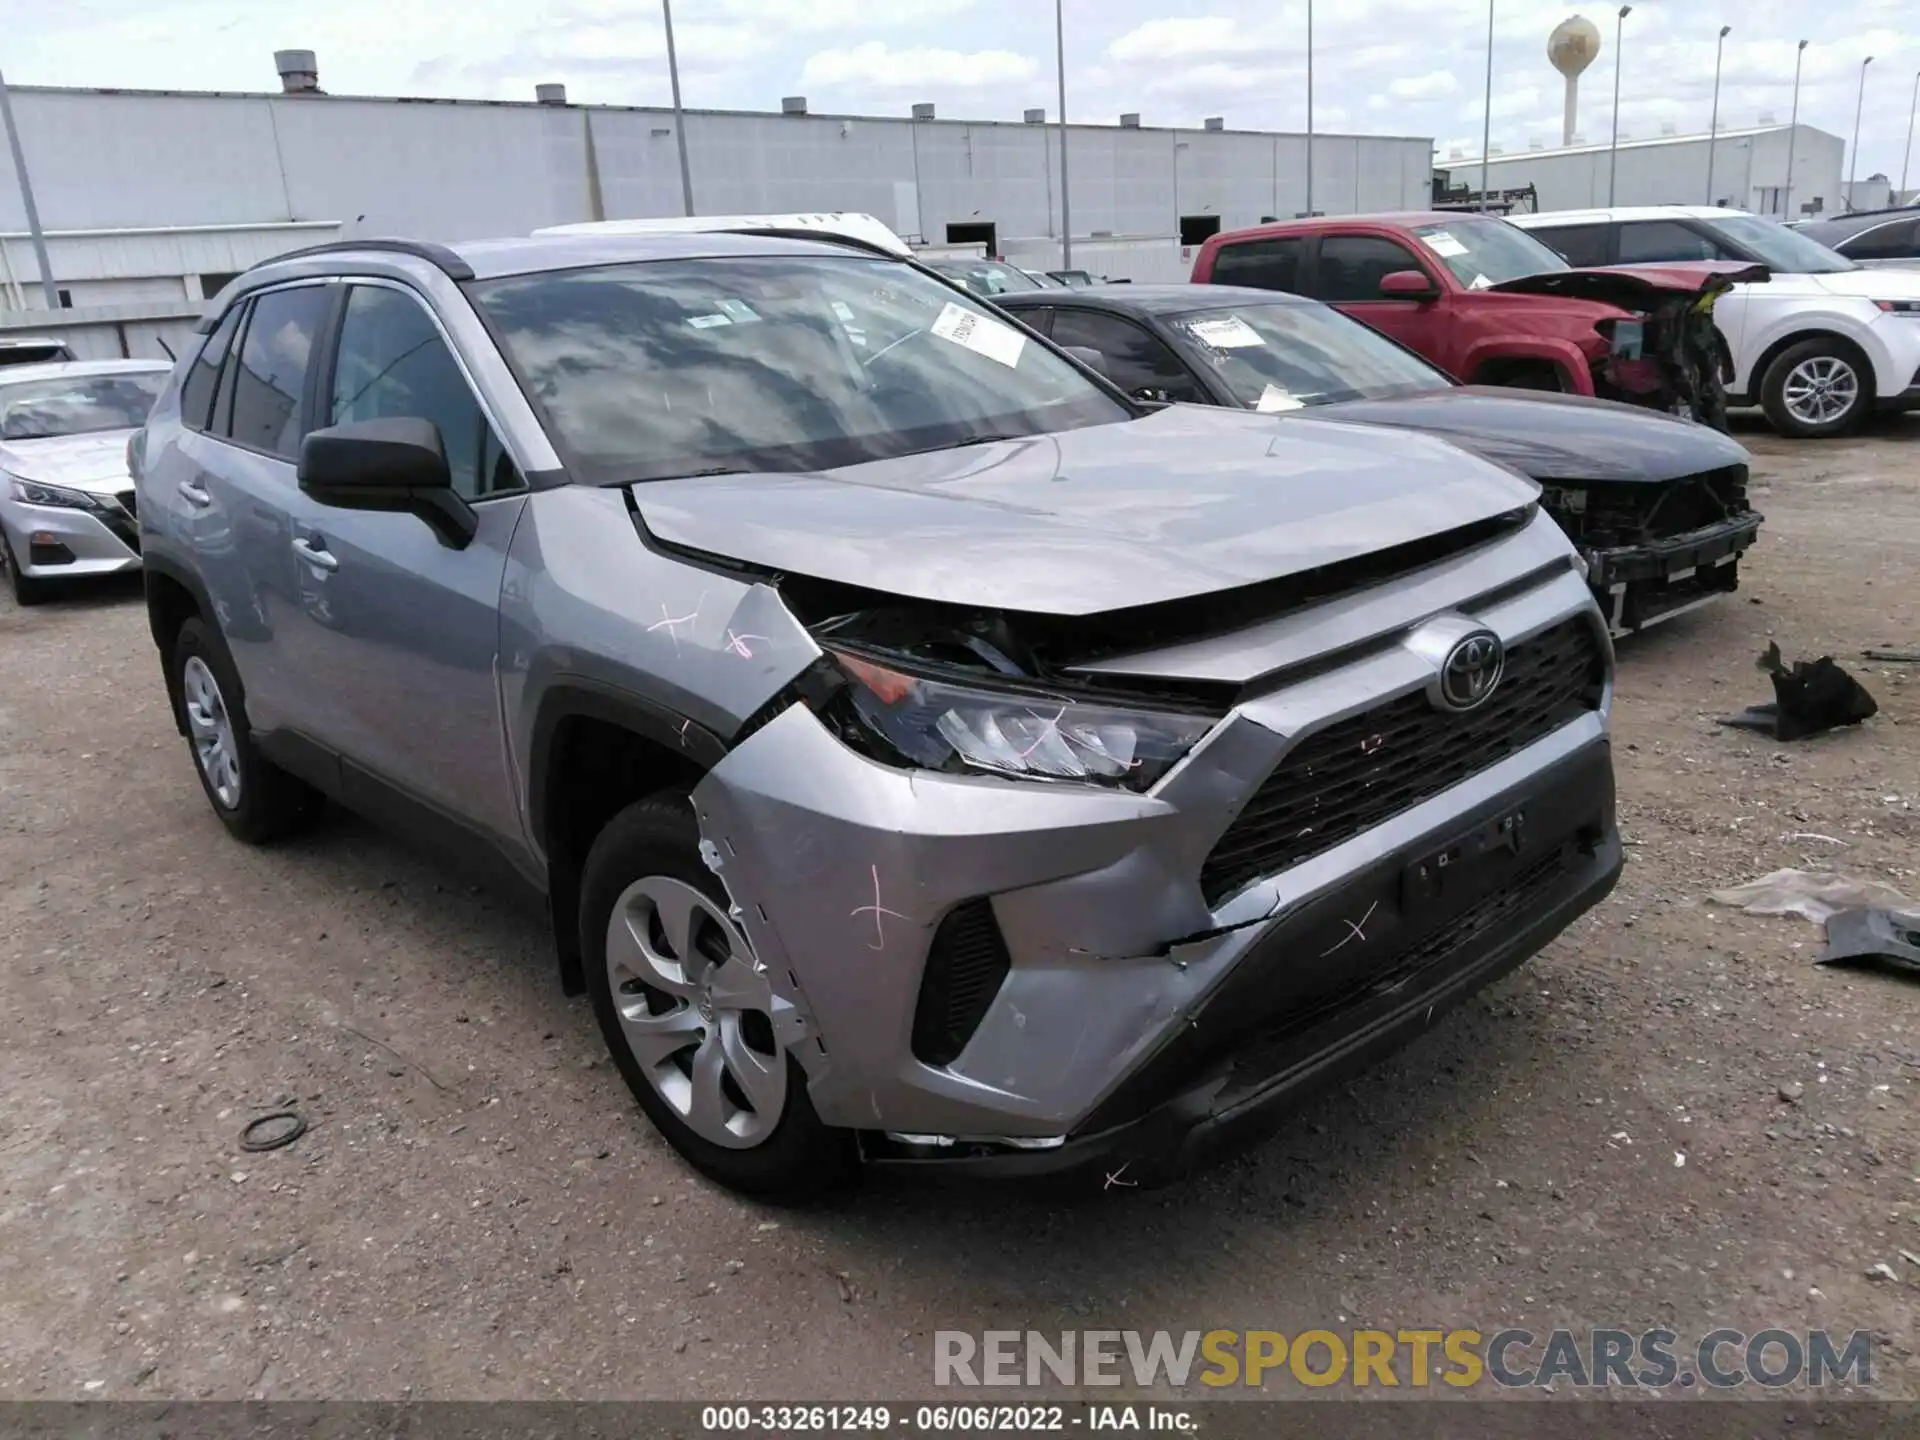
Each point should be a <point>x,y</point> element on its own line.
<point>1749,171</point>
<point>154,161</point>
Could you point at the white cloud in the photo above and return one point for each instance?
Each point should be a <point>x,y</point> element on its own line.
<point>1434,85</point>
<point>879,66</point>
<point>1161,40</point>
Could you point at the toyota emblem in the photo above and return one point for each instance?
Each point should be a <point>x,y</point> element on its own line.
<point>1472,670</point>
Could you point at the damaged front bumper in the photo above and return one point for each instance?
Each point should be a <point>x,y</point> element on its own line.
<point>1130,1014</point>
<point>1641,585</point>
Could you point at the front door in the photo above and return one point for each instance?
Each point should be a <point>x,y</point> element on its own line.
<point>1347,274</point>
<point>409,632</point>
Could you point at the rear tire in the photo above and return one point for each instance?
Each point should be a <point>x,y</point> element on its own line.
<point>1817,390</point>
<point>687,1018</point>
<point>256,800</point>
<point>27,590</point>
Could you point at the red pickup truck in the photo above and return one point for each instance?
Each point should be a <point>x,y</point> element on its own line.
<point>1491,305</point>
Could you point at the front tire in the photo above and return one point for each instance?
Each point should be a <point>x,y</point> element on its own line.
<point>687,1014</point>
<point>256,800</point>
<point>27,590</point>
<point>1816,390</point>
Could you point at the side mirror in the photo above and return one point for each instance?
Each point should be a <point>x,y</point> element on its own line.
<point>396,464</point>
<point>1089,357</point>
<point>1408,285</point>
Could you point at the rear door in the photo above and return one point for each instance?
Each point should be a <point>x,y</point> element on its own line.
<point>237,499</point>
<point>409,637</point>
<point>1347,271</point>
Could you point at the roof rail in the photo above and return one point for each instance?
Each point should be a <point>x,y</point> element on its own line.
<point>440,256</point>
<point>437,255</point>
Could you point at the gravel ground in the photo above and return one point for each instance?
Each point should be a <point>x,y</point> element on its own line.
<point>479,1212</point>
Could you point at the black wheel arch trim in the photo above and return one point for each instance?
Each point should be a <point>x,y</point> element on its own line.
<point>579,697</point>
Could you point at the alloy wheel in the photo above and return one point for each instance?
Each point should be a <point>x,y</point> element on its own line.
<point>696,1011</point>
<point>210,728</point>
<point>1821,389</point>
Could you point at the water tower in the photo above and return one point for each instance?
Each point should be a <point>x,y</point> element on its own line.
<point>1572,47</point>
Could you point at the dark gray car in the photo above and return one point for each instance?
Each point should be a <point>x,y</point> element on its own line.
<point>1656,503</point>
<point>926,753</point>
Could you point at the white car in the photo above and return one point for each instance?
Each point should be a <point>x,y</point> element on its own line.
<point>1819,346</point>
<point>66,500</point>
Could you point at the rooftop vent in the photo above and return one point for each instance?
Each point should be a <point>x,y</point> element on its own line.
<point>1533,144</point>
<point>1457,153</point>
<point>550,93</point>
<point>1667,127</point>
<point>1767,118</point>
<point>1131,120</point>
<point>793,104</point>
<point>923,111</point>
<point>299,72</point>
<point>1578,138</point>
<point>1496,150</point>
<point>1035,117</point>
<point>1215,122</point>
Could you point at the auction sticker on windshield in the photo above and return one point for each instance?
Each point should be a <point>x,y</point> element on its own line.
<point>980,335</point>
<point>1441,243</point>
<point>1274,398</point>
<point>1228,333</point>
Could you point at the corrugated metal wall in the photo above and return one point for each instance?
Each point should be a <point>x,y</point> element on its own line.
<point>449,171</point>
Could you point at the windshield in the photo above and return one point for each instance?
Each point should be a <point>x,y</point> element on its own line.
<point>78,404</point>
<point>1283,357</point>
<point>988,277</point>
<point>1779,248</point>
<point>1482,252</point>
<point>645,371</point>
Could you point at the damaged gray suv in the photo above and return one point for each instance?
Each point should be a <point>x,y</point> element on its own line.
<point>926,754</point>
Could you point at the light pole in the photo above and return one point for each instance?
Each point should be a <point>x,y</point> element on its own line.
<point>1309,109</point>
<point>679,118</point>
<point>1613,150</point>
<point>1906,158</point>
<point>26,200</point>
<point>1066,207</point>
<point>1713,125</point>
<point>1853,166</point>
<point>1793,131</point>
<point>1486,117</point>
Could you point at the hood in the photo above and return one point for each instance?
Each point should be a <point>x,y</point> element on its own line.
<point>1889,283</point>
<point>1554,437</point>
<point>96,463</point>
<point>1636,287</point>
<point>1182,502</point>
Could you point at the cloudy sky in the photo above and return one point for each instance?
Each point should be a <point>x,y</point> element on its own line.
<point>1406,67</point>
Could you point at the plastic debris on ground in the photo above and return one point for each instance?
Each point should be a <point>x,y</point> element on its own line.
<point>1885,936</point>
<point>1808,699</point>
<point>1815,895</point>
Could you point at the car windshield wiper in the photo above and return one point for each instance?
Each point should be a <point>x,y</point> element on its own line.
<point>690,474</point>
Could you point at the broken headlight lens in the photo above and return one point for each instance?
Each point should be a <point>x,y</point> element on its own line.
<point>941,725</point>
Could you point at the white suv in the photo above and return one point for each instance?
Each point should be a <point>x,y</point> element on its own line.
<point>1820,345</point>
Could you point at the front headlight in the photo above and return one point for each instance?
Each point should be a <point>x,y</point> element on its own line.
<point>32,492</point>
<point>940,725</point>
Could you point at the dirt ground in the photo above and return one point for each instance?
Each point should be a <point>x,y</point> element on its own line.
<point>479,1212</point>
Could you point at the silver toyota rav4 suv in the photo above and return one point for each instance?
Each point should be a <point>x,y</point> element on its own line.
<point>926,754</point>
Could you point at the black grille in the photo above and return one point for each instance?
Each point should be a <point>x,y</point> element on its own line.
<point>129,502</point>
<point>121,522</point>
<point>1630,514</point>
<point>965,966</point>
<point>1360,771</point>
